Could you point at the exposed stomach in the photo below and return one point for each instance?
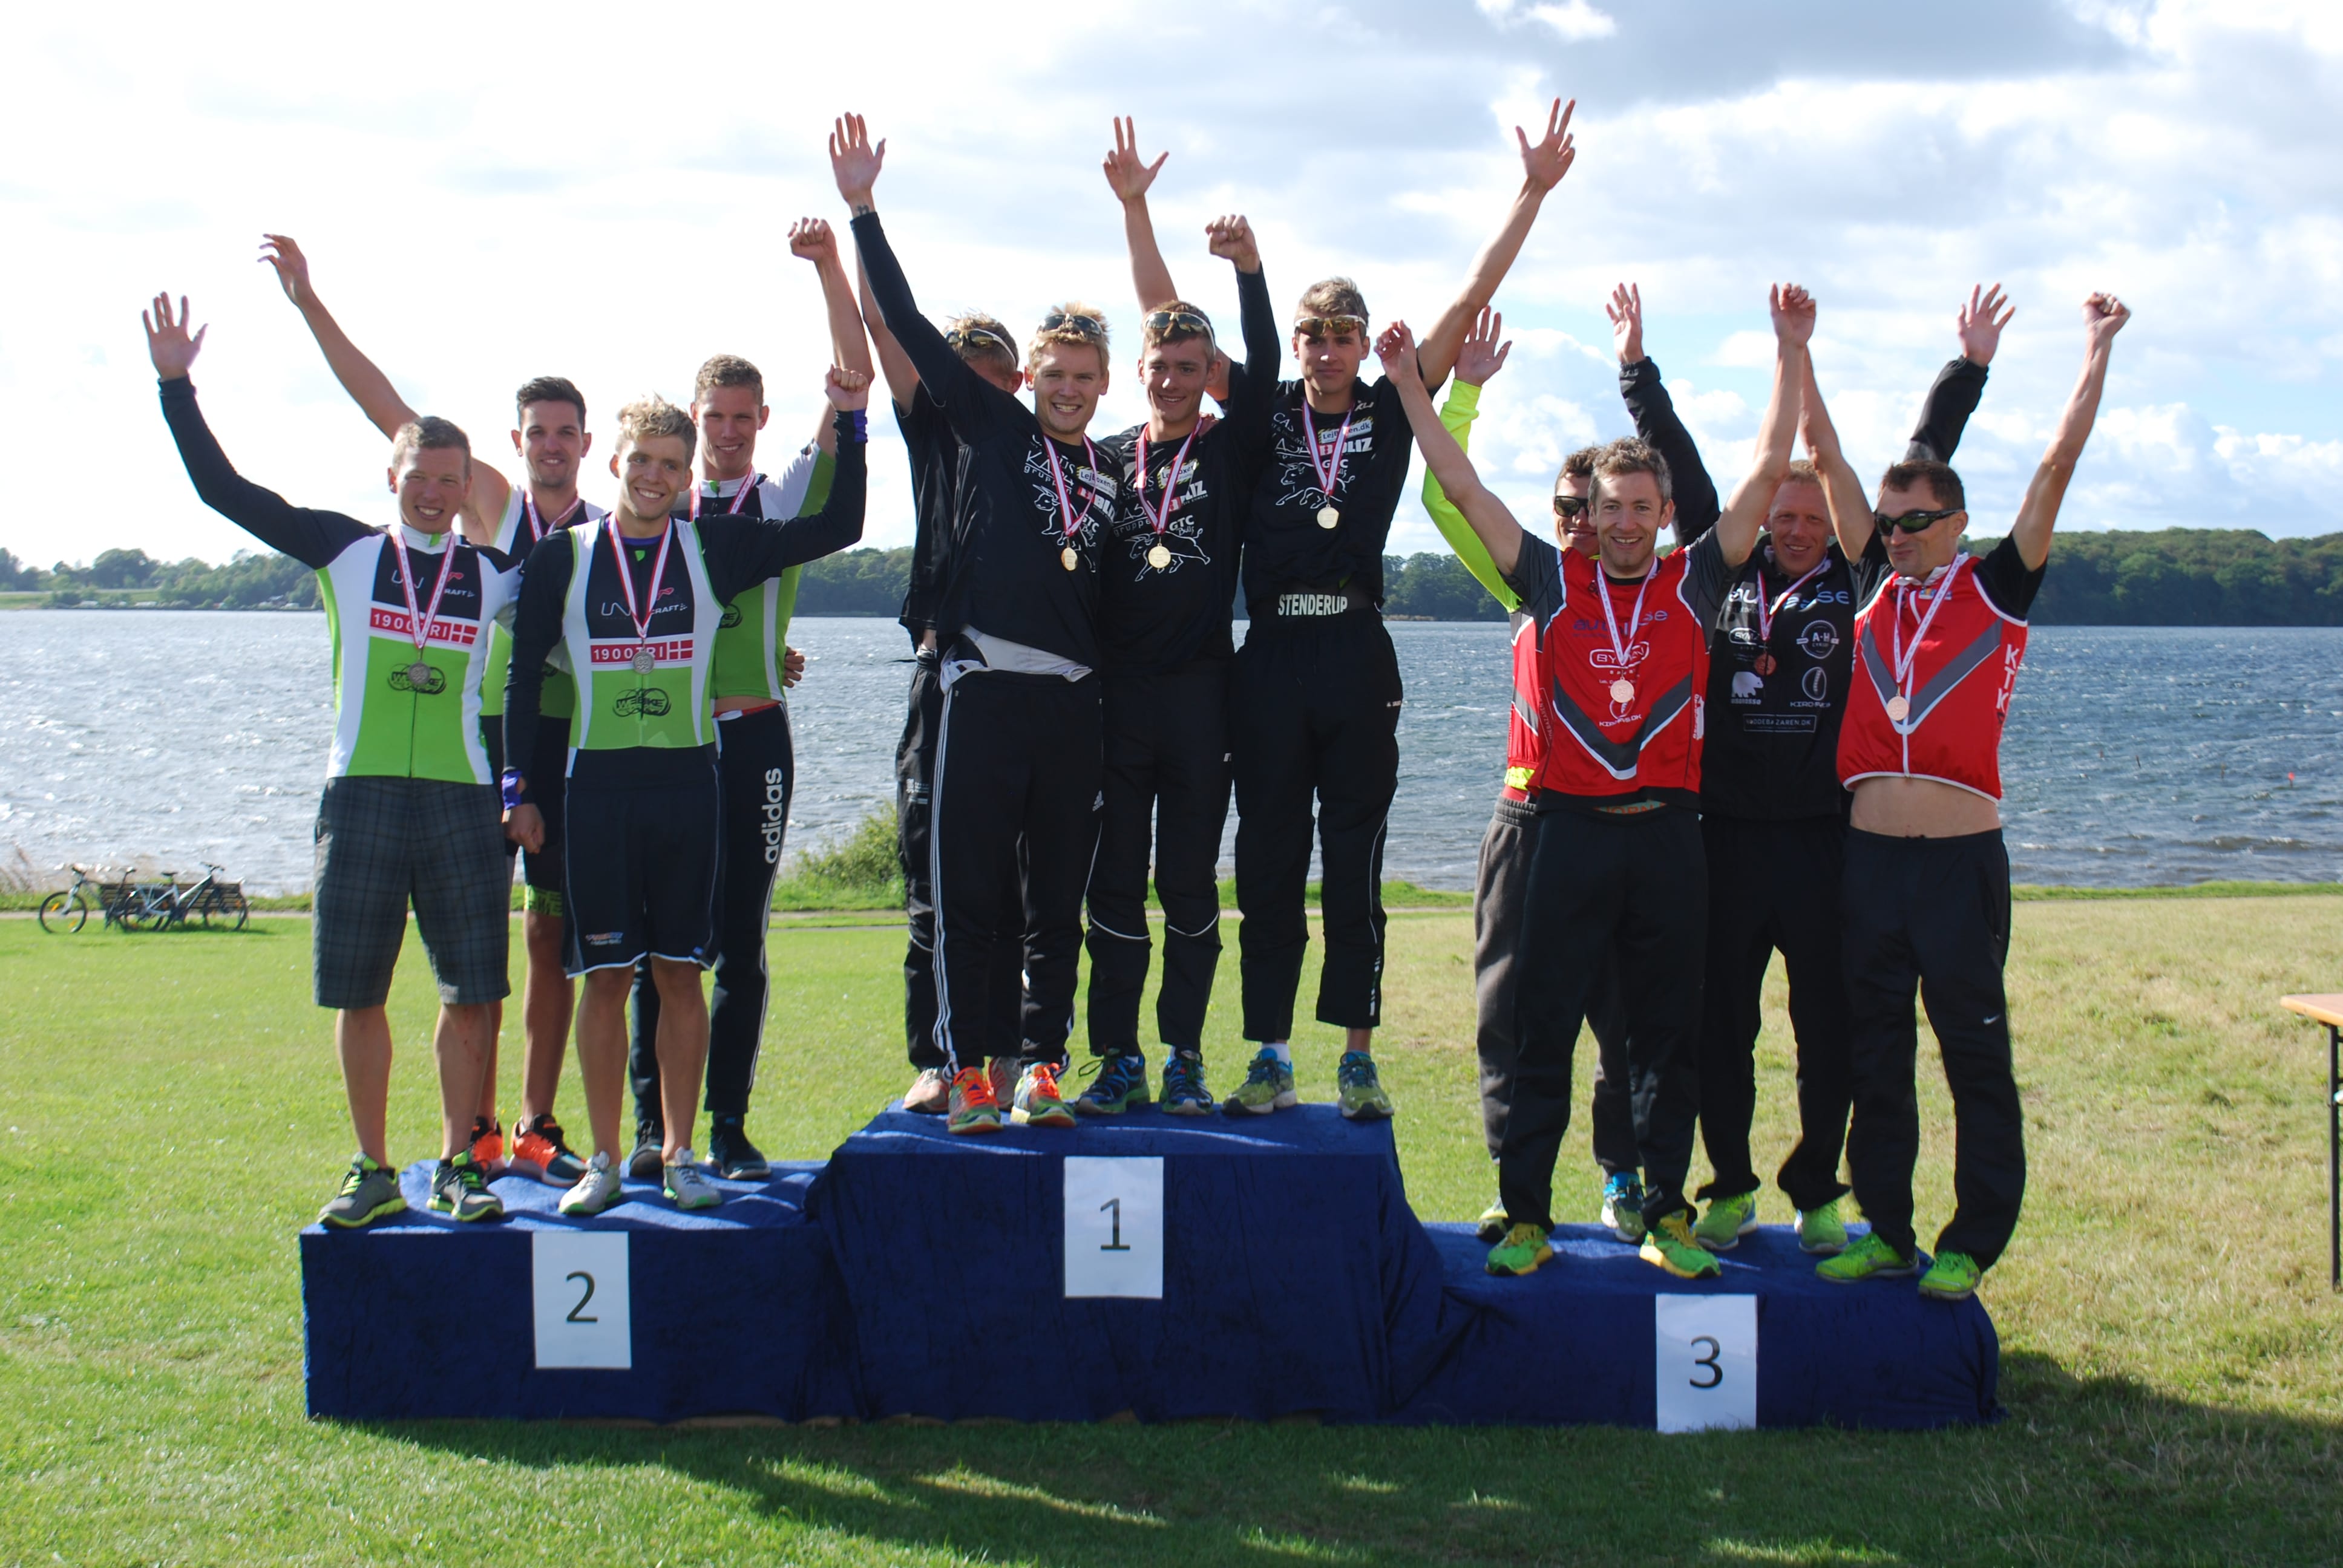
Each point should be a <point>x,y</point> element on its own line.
<point>1898,808</point>
<point>743,704</point>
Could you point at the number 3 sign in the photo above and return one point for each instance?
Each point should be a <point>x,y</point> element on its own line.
<point>1114,1227</point>
<point>581,1299</point>
<point>1705,1356</point>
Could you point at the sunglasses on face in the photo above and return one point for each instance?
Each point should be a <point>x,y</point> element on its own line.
<point>1912,522</point>
<point>981,339</point>
<point>1329,325</point>
<point>1570,509</point>
<point>1087,325</point>
<point>1168,321</point>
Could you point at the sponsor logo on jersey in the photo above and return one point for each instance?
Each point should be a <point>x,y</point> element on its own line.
<point>1815,684</point>
<point>650,702</point>
<point>397,623</point>
<point>1819,640</point>
<point>1748,686</point>
<point>667,650</point>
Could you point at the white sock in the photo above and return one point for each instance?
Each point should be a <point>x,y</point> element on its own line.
<point>1282,1050</point>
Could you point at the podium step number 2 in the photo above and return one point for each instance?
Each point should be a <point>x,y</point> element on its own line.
<point>582,1300</point>
<point>1706,1351</point>
<point>1114,1227</point>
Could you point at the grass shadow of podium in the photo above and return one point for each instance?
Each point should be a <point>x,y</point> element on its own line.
<point>2085,1470</point>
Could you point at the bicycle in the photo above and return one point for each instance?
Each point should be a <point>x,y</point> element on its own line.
<point>158,906</point>
<point>68,910</point>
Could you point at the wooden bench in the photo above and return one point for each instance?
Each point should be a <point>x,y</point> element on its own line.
<point>2327,1009</point>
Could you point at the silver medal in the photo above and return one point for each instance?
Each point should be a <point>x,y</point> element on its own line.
<point>644,661</point>
<point>418,675</point>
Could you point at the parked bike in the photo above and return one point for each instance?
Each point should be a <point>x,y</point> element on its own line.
<point>152,906</point>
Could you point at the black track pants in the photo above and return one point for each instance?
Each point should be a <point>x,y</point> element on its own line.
<point>1629,891</point>
<point>1775,887</point>
<point>1016,757</point>
<point>756,769</point>
<point>915,763</point>
<point>1931,916</point>
<point>1498,896</point>
<point>1315,711</point>
<point>1167,790</point>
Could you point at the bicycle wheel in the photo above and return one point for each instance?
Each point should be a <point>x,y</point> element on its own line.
<point>65,911</point>
<point>240,908</point>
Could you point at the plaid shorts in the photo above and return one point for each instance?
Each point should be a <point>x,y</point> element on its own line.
<point>383,842</point>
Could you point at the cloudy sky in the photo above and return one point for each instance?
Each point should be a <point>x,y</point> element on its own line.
<point>490,192</point>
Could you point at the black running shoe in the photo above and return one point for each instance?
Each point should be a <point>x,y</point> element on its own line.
<point>650,1144</point>
<point>730,1154</point>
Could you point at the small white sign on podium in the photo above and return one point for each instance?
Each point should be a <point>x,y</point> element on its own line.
<point>583,1302</point>
<point>1704,1351</point>
<point>1114,1227</point>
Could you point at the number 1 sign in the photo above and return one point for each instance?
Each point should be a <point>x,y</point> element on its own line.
<point>1114,1227</point>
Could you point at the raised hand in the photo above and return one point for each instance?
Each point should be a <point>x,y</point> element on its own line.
<point>1129,176</point>
<point>1793,312</point>
<point>2102,316</point>
<point>1982,319</point>
<point>280,251</point>
<point>847,389</point>
<point>1395,346</point>
<point>1545,161</point>
<point>853,160</point>
<point>812,238</point>
<point>167,343</point>
<point>1231,239</point>
<point>1626,313</point>
<point>1482,356</point>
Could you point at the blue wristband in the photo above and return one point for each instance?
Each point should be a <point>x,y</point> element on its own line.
<point>862,426</point>
<point>512,788</point>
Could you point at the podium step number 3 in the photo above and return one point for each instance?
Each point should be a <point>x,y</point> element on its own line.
<point>1114,1228</point>
<point>582,1300</point>
<point>1705,1349</point>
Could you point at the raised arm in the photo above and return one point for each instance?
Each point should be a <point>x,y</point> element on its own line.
<point>1543,163</point>
<point>1490,518</point>
<point>368,388</point>
<point>1850,512</point>
<point>1654,414</point>
<point>2103,317</point>
<point>1481,356</point>
<point>810,237</point>
<point>1129,176</point>
<point>745,551</point>
<point>1953,395</point>
<point>1793,329</point>
<point>902,375</point>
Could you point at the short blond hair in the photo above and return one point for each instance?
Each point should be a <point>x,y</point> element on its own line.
<point>429,433</point>
<point>977,336</point>
<point>1066,330</point>
<point>1332,296</point>
<point>650,417</point>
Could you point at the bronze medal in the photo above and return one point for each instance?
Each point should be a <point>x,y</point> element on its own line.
<point>1898,709</point>
<point>1763,664</point>
<point>1623,692</point>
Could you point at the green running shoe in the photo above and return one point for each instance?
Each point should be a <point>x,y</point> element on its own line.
<point>1184,1094</point>
<point>368,1193</point>
<point>1670,1244</point>
<point>1822,1230</point>
<point>1493,1224</point>
<point>1522,1250</point>
<point>1038,1103</point>
<point>1120,1083</point>
<point>1362,1098</point>
<point>1622,1206</point>
<point>1727,1220</point>
<point>461,1188</point>
<point>1268,1086</point>
<point>1953,1277</point>
<point>1868,1258</point>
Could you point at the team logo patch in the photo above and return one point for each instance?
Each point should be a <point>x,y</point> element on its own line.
<point>1819,640</point>
<point>1748,687</point>
<point>432,687</point>
<point>1815,684</point>
<point>731,617</point>
<point>650,703</point>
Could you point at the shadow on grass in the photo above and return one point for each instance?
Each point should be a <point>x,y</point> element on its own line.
<point>2087,1470</point>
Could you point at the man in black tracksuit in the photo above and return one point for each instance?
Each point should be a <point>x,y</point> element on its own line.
<point>1018,752</point>
<point>1772,813</point>
<point>1165,601</point>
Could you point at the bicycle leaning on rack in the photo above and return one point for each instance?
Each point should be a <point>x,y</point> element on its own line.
<point>151,906</point>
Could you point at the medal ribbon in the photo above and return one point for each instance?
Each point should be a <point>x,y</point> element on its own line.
<point>1635,616</point>
<point>1161,520</point>
<point>1765,616</point>
<point>731,502</point>
<point>627,581</point>
<point>420,629</point>
<point>1329,474</point>
<point>1904,659</point>
<point>538,527</point>
<point>1070,520</point>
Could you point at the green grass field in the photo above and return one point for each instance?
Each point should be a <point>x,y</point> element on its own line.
<point>2173,1360</point>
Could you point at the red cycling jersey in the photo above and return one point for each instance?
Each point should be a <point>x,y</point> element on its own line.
<point>1937,661</point>
<point>1623,690</point>
<point>1525,734</point>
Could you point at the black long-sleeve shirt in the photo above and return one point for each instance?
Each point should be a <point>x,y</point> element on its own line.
<point>1005,574</point>
<point>1286,548</point>
<point>1156,618</point>
<point>738,552</point>
<point>935,456</point>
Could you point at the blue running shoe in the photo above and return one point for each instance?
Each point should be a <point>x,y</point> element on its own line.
<point>1361,1095</point>
<point>1184,1094</point>
<point>1118,1082</point>
<point>1623,1207</point>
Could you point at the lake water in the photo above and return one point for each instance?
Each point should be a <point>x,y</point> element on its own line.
<point>2134,756</point>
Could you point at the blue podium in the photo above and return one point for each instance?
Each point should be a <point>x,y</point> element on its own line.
<point>1155,1266</point>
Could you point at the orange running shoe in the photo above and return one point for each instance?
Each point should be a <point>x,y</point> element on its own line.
<point>541,1150</point>
<point>1038,1103</point>
<point>973,1108</point>
<point>488,1146</point>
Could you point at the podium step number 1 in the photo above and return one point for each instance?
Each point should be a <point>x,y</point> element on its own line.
<point>1114,1227</point>
<point>582,1300</point>
<point>1706,1351</point>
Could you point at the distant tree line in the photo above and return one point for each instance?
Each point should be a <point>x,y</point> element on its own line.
<point>2174,576</point>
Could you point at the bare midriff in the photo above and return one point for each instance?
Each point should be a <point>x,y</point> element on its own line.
<point>743,704</point>
<point>1921,808</point>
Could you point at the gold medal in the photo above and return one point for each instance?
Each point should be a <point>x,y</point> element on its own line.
<point>1623,692</point>
<point>1068,559</point>
<point>1159,558</point>
<point>1328,517</point>
<point>1898,709</point>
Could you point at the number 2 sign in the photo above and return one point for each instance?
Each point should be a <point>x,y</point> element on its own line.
<point>1114,1227</point>
<point>581,1299</point>
<point>1705,1356</point>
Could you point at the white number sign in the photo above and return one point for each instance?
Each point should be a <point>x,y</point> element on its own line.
<point>1114,1227</point>
<point>581,1291</point>
<point>1704,1353</point>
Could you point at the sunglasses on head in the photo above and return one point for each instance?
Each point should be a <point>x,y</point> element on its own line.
<point>1168,321</point>
<point>1087,325</point>
<point>1329,325</point>
<point>1570,509</point>
<point>983,338</point>
<point>1915,522</point>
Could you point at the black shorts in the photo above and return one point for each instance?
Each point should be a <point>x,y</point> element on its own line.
<point>547,769</point>
<point>643,880</point>
<point>383,843</point>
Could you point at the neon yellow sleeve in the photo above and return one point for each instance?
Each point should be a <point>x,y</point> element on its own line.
<point>1463,406</point>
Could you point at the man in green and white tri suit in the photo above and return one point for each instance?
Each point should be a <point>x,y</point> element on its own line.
<point>409,811</point>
